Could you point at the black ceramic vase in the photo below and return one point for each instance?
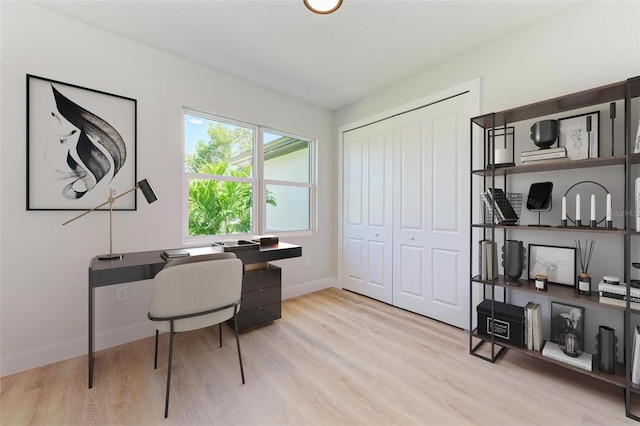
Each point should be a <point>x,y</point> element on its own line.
<point>513,261</point>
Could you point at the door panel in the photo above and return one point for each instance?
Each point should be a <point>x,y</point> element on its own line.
<point>367,194</point>
<point>431,184</point>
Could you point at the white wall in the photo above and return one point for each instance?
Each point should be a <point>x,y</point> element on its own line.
<point>590,45</point>
<point>43,270</point>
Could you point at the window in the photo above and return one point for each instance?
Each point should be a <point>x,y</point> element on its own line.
<point>245,179</point>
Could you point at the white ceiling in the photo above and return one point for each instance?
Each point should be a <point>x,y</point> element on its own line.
<point>326,60</point>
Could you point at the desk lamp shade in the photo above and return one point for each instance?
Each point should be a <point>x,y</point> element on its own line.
<point>147,191</point>
<point>149,195</point>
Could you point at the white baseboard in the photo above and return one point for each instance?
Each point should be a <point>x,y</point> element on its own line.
<point>44,355</point>
<point>306,288</point>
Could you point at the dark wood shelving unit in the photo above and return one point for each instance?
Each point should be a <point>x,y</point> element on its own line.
<point>622,92</point>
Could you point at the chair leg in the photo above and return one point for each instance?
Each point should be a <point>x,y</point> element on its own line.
<point>220,333</point>
<point>155,358</point>
<point>235,324</point>
<point>166,402</point>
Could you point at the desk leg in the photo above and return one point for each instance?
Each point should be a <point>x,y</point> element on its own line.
<point>91,334</point>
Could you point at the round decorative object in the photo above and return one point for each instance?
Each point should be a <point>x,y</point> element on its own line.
<point>544,133</point>
<point>570,341</point>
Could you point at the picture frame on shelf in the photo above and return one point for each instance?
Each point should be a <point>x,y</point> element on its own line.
<point>556,262</point>
<point>573,134</point>
<point>503,147</point>
<point>81,144</point>
<point>563,317</point>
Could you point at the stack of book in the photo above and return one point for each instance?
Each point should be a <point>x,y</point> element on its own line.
<point>616,294</point>
<point>533,326</point>
<point>549,155</point>
<point>552,351</point>
<point>174,254</point>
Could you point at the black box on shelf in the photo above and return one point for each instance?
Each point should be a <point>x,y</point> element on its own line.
<point>509,322</point>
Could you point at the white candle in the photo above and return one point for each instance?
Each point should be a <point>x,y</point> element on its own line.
<point>593,207</point>
<point>564,208</point>
<point>577,209</point>
<point>609,207</point>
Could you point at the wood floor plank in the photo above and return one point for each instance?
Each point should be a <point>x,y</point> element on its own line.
<point>335,358</point>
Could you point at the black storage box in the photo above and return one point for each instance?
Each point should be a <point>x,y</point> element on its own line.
<point>509,320</point>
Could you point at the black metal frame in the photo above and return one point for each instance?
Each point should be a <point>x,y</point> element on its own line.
<point>172,319</point>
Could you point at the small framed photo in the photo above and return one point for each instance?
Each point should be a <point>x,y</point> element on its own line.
<point>580,135</point>
<point>503,140</point>
<point>566,317</point>
<point>557,263</point>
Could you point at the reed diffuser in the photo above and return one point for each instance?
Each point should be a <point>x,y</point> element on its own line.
<point>584,255</point>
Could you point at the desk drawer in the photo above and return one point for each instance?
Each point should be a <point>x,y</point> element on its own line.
<point>260,297</point>
<point>256,280</point>
<point>258,317</point>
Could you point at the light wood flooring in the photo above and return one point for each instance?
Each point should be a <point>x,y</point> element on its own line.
<point>335,358</point>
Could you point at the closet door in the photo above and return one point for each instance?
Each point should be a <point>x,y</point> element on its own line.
<point>367,211</point>
<point>431,236</point>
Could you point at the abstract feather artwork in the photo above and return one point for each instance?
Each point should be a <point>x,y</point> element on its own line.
<point>81,144</point>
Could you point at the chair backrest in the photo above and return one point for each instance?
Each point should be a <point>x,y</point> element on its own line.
<point>195,284</point>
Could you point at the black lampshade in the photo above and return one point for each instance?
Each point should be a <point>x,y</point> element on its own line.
<point>148,192</point>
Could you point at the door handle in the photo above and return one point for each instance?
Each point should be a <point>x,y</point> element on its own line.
<point>412,238</point>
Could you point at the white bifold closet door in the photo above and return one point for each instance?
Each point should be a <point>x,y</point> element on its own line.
<point>431,213</point>
<point>367,226</point>
<point>406,215</point>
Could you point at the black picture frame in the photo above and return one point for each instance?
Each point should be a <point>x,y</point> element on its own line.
<point>556,262</point>
<point>81,144</point>
<point>572,134</point>
<point>565,316</point>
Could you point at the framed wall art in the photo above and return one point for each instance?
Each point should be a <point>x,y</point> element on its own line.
<point>81,143</point>
<point>557,263</point>
<point>566,317</point>
<point>579,136</point>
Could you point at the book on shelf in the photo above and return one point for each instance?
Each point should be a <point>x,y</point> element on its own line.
<point>488,258</point>
<point>528,330</point>
<point>635,354</point>
<point>543,156</point>
<point>552,351</point>
<point>174,254</point>
<point>623,297</point>
<point>542,151</point>
<point>618,302</point>
<point>533,326</point>
<point>537,327</point>
<point>546,161</point>
<point>618,289</point>
<point>503,207</point>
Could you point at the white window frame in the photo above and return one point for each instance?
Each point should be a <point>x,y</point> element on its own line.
<point>257,180</point>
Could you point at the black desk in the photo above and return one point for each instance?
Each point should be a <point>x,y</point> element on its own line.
<point>145,265</point>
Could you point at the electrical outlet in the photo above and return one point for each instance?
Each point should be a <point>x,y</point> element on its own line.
<point>121,294</point>
<point>308,262</point>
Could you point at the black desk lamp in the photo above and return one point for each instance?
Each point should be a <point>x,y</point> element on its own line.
<point>149,195</point>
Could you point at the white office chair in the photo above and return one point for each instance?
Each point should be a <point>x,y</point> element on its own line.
<point>196,292</point>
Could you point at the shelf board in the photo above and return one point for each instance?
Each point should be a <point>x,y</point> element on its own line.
<point>551,228</point>
<point>599,95</point>
<point>616,378</point>
<point>564,165</point>
<point>558,291</point>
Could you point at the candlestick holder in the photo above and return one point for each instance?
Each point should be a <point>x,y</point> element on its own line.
<point>599,223</point>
